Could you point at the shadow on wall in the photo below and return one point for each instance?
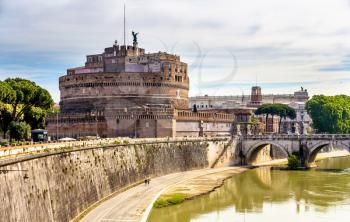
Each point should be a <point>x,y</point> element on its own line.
<point>58,187</point>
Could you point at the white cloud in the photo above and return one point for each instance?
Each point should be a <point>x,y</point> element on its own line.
<point>278,41</point>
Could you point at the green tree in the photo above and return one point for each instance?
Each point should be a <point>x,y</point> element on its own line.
<point>330,114</point>
<point>5,120</point>
<point>284,111</point>
<point>276,109</point>
<point>266,110</point>
<point>27,95</point>
<point>19,130</point>
<point>21,99</point>
<point>7,94</point>
<point>35,117</point>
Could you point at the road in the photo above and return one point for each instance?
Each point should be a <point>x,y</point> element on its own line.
<point>134,204</point>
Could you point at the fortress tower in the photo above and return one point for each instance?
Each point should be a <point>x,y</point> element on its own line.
<point>123,77</point>
<point>256,97</point>
<point>125,91</point>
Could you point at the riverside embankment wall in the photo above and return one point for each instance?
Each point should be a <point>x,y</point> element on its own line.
<point>58,186</point>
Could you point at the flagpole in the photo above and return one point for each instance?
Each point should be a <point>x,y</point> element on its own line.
<point>124,26</point>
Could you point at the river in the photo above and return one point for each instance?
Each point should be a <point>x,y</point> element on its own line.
<point>267,194</point>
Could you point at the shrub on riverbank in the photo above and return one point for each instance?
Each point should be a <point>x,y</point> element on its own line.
<point>293,162</point>
<point>171,199</point>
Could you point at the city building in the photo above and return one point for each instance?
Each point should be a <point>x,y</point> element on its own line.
<point>296,100</point>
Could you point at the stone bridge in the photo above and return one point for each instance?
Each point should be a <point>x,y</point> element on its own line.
<point>305,147</point>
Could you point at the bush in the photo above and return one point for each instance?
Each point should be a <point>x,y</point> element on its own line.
<point>13,142</point>
<point>19,130</point>
<point>3,143</point>
<point>293,162</point>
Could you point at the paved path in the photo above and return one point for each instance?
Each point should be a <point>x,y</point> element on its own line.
<point>130,205</point>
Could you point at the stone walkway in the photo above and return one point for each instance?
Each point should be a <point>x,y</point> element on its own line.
<point>131,205</point>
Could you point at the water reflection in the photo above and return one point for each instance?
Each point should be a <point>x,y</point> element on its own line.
<point>258,193</point>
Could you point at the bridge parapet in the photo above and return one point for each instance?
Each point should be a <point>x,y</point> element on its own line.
<point>306,147</point>
<point>297,137</point>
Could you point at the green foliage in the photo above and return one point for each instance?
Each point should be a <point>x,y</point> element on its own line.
<point>54,110</point>
<point>171,199</point>
<point>7,94</point>
<point>117,142</point>
<point>255,121</point>
<point>276,109</point>
<point>3,143</point>
<point>293,162</point>
<point>330,114</point>
<point>35,117</point>
<point>27,94</point>
<point>23,100</point>
<point>19,130</point>
<point>5,119</point>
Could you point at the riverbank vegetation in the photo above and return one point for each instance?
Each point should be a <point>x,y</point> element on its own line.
<point>293,163</point>
<point>23,106</point>
<point>171,199</point>
<point>330,114</point>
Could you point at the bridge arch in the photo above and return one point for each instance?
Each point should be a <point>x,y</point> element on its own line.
<point>253,151</point>
<point>315,149</point>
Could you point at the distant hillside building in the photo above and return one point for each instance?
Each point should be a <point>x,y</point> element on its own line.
<point>125,91</point>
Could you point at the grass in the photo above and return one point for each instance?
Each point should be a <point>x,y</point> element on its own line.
<point>171,199</point>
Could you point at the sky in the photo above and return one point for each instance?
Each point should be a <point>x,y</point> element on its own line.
<point>229,45</point>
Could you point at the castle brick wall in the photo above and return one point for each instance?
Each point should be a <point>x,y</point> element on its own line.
<point>86,92</point>
<point>140,123</point>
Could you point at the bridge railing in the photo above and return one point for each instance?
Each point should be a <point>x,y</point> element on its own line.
<point>295,137</point>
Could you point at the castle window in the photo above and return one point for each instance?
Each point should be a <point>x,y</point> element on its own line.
<point>178,78</point>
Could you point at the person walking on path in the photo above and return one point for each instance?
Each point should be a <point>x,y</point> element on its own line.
<point>147,181</point>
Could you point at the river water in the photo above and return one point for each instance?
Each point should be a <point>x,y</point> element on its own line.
<point>266,194</point>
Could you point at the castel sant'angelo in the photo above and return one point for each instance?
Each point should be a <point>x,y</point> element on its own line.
<point>125,91</point>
